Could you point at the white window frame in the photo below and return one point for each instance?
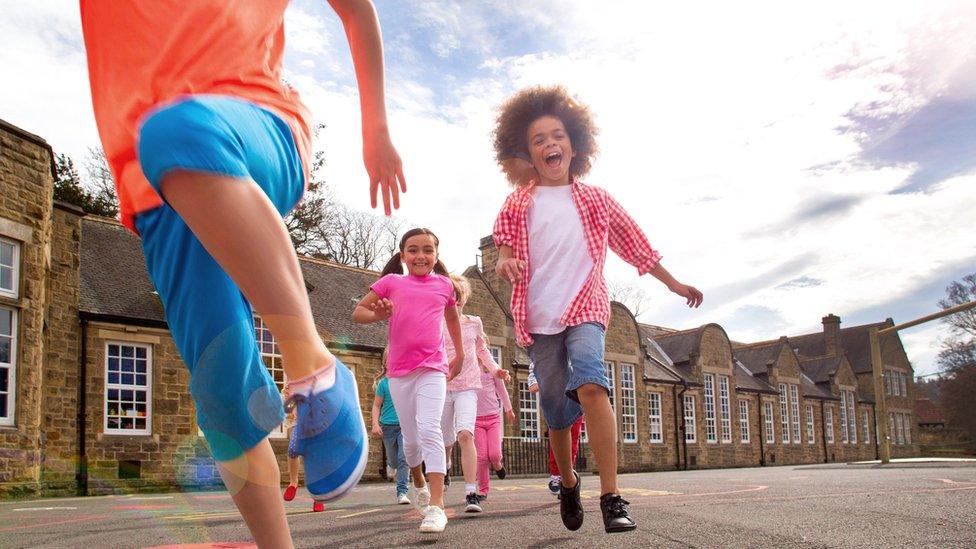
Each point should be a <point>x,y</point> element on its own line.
<point>795,413</point>
<point>14,290</point>
<point>851,417</point>
<point>811,432</point>
<point>892,434</point>
<point>895,385</point>
<point>903,379</point>
<point>272,360</point>
<point>900,418</point>
<point>887,381</point>
<point>908,428</point>
<point>725,408</point>
<point>134,387</point>
<point>628,404</point>
<point>784,414</point>
<point>691,427</point>
<point>769,423</point>
<point>496,354</point>
<point>656,427</point>
<point>829,419</point>
<point>866,425</point>
<point>843,417</point>
<point>711,434</point>
<point>528,412</point>
<point>612,379</point>
<point>744,420</point>
<point>8,416</point>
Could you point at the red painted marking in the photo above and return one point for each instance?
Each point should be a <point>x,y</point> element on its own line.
<point>69,521</point>
<point>216,545</point>
<point>140,507</point>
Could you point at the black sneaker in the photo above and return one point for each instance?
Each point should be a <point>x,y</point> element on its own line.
<point>473,503</point>
<point>615,515</point>
<point>482,497</point>
<point>501,473</point>
<point>554,483</point>
<point>570,506</point>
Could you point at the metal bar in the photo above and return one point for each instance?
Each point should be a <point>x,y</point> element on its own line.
<point>927,318</point>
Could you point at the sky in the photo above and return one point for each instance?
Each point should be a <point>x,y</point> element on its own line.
<point>788,160</point>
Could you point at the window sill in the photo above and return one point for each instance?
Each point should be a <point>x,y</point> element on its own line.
<point>135,437</point>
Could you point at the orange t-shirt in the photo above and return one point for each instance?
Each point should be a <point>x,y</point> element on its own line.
<point>144,53</point>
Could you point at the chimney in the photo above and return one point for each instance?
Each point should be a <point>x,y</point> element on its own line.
<point>831,328</point>
<point>489,255</point>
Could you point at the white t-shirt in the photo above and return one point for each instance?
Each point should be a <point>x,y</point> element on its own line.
<point>559,262</point>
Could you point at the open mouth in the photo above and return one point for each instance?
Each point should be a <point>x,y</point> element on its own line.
<point>554,159</point>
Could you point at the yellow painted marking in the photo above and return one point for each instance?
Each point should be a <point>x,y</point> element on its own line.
<point>646,492</point>
<point>360,513</point>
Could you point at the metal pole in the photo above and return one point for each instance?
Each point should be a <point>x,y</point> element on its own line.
<point>881,405</point>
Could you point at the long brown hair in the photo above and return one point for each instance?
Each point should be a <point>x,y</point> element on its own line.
<point>395,265</point>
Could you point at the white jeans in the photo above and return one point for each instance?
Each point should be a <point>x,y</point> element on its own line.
<point>419,401</point>
<point>460,413</point>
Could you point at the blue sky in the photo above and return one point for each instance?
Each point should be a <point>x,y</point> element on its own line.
<point>791,161</point>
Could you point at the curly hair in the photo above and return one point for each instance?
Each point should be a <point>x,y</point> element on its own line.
<point>530,104</point>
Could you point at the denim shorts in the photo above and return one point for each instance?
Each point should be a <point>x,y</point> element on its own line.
<point>237,402</point>
<point>563,363</point>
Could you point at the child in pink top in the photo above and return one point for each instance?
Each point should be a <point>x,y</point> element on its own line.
<point>461,405</point>
<point>417,306</point>
<point>488,429</point>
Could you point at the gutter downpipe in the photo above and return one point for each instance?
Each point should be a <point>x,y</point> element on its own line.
<point>762,436</point>
<point>81,477</point>
<point>823,427</point>
<point>679,431</point>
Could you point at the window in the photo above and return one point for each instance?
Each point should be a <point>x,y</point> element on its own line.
<point>691,433</point>
<point>811,435</point>
<point>843,416</point>
<point>9,267</point>
<point>496,354</point>
<point>8,365</point>
<point>710,408</point>
<point>852,417</point>
<point>654,415</point>
<point>744,420</point>
<point>528,412</point>
<point>768,421</point>
<point>725,407</point>
<point>895,385</point>
<point>628,403</point>
<point>271,357</point>
<point>128,388</point>
<point>892,436</point>
<point>866,426</point>
<point>784,414</point>
<point>908,428</point>
<point>829,420</point>
<point>795,412</point>
<point>887,381</point>
<point>612,379</point>
<point>903,377</point>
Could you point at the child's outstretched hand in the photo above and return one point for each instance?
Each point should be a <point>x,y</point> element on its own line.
<point>510,269</point>
<point>519,171</point>
<point>510,415</point>
<point>454,366</point>
<point>503,374</point>
<point>382,308</point>
<point>693,297</point>
<point>385,170</point>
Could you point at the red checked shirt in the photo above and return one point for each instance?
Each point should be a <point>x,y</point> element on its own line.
<point>605,223</point>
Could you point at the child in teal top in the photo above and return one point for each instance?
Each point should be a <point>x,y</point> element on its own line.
<point>386,424</point>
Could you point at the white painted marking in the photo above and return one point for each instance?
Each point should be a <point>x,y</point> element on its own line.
<point>42,508</point>
<point>150,497</point>
<point>360,513</point>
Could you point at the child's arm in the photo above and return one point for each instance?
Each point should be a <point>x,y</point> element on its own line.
<point>508,267</point>
<point>628,241</point>
<point>377,406</point>
<point>502,393</point>
<point>453,319</point>
<point>372,308</point>
<point>504,233</point>
<point>484,356</point>
<point>366,46</point>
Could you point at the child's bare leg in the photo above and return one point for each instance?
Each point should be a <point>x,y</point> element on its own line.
<point>238,225</point>
<point>469,457</point>
<point>417,474</point>
<point>293,471</point>
<point>436,489</point>
<point>253,480</point>
<point>601,425</point>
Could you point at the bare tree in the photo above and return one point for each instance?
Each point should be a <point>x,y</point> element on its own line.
<point>100,180</point>
<point>957,359</point>
<point>630,295</point>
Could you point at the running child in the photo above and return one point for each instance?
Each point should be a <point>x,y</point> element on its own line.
<point>209,148</point>
<point>552,235</point>
<point>418,305</point>
<point>488,429</point>
<point>292,489</point>
<point>555,479</point>
<point>461,404</point>
<point>386,425</point>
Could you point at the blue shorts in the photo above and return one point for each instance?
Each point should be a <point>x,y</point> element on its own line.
<point>237,401</point>
<point>563,363</point>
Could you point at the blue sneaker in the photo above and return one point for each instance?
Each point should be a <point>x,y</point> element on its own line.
<point>331,437</point>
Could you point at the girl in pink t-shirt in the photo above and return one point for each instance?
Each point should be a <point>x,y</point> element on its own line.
<point>418,305</point>
<point>461,405</point>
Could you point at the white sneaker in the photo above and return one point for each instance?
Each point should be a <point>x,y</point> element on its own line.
<point>434,521</point>
<point>402,499</point>
<point>420,497</point>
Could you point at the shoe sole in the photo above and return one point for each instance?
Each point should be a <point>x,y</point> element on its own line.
<point>618,529</point>
<point>431,529</point>
<point>343,489</point>
<point>473,509</point>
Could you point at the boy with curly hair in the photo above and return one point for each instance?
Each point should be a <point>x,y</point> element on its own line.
<point>552,235</point>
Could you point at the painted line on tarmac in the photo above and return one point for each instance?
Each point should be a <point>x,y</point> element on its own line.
<point>42,508</point>
<point>949,481</point>
<point>753,488</point>
<point>833,495</point>
<point>55,523</point>
<point>131,498</point>
<point>366,512</point>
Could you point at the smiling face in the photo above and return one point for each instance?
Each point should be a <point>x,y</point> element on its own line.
<point>550,149</point>
<point>419,254</point>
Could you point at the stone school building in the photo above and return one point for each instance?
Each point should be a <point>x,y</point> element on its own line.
<point>94,399</point>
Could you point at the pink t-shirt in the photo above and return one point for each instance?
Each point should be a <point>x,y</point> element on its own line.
<point>492,390</point>
<point>417,326</point>
<point>476,355</point>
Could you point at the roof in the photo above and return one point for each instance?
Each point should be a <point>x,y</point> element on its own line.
<point>812,390</point>
<point>853,340</point>
<point>114,282</point>
<point>820,369</point>
<point>927,413</point>
<point>756,357</point>
<point>744,381</point>
<point>650,330</point>
<point>680,345</point>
